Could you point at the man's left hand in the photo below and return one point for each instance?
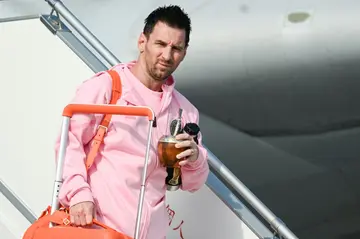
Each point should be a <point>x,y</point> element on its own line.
<point>192,153</point>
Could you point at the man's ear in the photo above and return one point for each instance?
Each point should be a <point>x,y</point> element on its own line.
<point>185,51</point>
<point>141,42</point>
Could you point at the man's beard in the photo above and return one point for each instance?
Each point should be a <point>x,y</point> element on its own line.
<point>159,75</point>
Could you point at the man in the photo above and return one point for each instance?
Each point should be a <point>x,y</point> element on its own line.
<point>110,189</point>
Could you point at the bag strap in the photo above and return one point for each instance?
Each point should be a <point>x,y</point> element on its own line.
<point>103,127</point>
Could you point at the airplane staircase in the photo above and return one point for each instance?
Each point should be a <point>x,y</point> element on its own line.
<point>42,61</point>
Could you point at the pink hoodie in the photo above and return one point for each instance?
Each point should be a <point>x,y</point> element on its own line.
<point>113,181</point>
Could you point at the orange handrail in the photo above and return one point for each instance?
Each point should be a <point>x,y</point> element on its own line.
<point>72,109</point>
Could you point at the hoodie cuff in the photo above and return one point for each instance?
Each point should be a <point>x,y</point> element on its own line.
<point>199,162</point>
<point>81,196</point>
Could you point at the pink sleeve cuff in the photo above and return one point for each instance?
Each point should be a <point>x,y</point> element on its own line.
<point>199,162</point>
<point>83,195</point>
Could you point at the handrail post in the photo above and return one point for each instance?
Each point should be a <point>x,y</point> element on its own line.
<point>255,202</point>
<point>60,8</point>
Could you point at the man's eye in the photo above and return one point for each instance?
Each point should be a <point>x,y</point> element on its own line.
<point>161,43</point>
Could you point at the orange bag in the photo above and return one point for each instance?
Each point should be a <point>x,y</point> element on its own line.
<point>54,222</point>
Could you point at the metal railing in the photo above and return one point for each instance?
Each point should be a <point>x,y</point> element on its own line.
<point>61,9</point>
<point>214,162</point>
<point>17,202</point>
<point>255,202</point>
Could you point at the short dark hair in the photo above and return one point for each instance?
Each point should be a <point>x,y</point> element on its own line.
<point>171,15</point>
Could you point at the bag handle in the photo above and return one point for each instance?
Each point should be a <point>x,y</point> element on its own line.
<point>103,127</point>
<point>63,218</point>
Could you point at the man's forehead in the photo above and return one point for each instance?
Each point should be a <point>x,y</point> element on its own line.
<point>168,35</point>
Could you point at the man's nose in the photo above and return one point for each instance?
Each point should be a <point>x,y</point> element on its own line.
<point>167,53</point>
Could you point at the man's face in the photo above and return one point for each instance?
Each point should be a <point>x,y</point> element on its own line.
<point>163,50</point>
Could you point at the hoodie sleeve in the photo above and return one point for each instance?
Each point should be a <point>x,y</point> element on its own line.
<point>195,174</point>
<point>82,128</point>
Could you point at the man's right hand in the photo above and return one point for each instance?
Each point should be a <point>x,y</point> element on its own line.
<point>82,214</point>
